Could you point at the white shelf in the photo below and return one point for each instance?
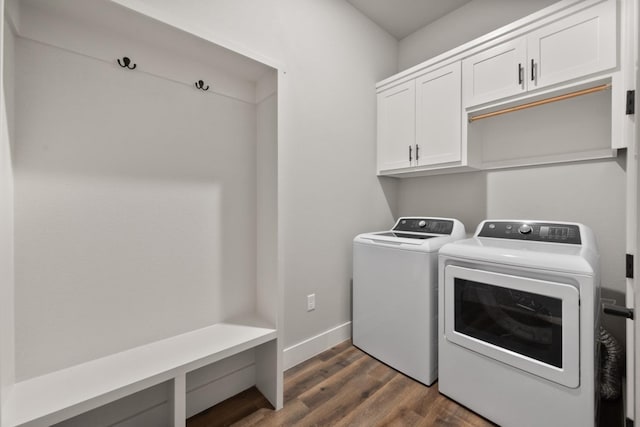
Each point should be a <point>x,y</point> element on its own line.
<point>426,171</point>
<point>68,392</point>
<point>550,159</point>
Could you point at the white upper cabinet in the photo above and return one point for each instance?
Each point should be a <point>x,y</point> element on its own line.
<point>575,46</point>
<point>495,73</point>
<point>419,122</point>
<point>396,126</point>
<point>425,113</point>
<point>438,118</point>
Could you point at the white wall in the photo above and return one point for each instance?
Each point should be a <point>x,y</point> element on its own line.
<point>462,196</point>
<point>590,192</point>
<point>472,20</point>
<point>84,189</point>
<point>135,208</point>
<point>6,215</point>
<point>328,191</point>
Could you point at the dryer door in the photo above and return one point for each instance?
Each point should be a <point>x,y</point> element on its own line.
<point>530,324</point>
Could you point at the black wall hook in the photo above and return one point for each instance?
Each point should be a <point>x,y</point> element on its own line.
<point>200,85</point>
<point>125,63</point>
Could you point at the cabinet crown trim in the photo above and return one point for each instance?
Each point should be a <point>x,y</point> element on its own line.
<point>512,30</point>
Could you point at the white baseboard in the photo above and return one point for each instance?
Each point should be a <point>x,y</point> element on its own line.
<point>308,348</point>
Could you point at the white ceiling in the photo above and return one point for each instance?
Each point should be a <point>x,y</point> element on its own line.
<point>402,17</point>
<point>105,17</point>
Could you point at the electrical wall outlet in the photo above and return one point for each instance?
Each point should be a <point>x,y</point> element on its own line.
<point>311,302</point>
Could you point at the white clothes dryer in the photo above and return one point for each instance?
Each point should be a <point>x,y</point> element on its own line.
<point>395,286</point>
<point>518,323</point>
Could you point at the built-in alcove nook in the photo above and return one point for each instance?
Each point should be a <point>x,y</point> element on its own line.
<point>145,169</point>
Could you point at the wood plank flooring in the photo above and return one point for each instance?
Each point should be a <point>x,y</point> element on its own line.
<point>343,387</point>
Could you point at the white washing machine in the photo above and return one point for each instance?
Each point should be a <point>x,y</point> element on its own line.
<point>395,286</point>
<point>518,319</point>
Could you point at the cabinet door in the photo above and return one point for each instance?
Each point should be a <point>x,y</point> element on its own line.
<point>438,116</point>
<point>581,44</point>
<point>396,126</point>
<point>495,73</point>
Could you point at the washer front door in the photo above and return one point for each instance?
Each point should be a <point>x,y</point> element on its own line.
<point>531,324</point>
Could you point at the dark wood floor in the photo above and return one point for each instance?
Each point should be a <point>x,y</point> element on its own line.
<point>343,387</point>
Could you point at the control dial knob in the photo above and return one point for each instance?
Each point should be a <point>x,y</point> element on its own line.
<point>525,229</point>
<point>422,223</point>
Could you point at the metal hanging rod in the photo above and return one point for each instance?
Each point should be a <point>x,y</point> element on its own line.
<point>541,102</point>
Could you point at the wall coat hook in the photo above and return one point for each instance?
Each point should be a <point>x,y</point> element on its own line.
<point>200,85</point>
<point>126,63</point>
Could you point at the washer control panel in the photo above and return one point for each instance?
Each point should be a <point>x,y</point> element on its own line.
<point>532,231</point>
<point>424,225</point>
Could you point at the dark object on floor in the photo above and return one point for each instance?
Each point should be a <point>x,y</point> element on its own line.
<point>610,366</point>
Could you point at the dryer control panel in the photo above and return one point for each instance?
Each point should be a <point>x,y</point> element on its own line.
<point>532,231</point>
<point>424,225</point>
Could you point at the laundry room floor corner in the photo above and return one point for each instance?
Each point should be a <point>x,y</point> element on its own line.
<point>344,386</point>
